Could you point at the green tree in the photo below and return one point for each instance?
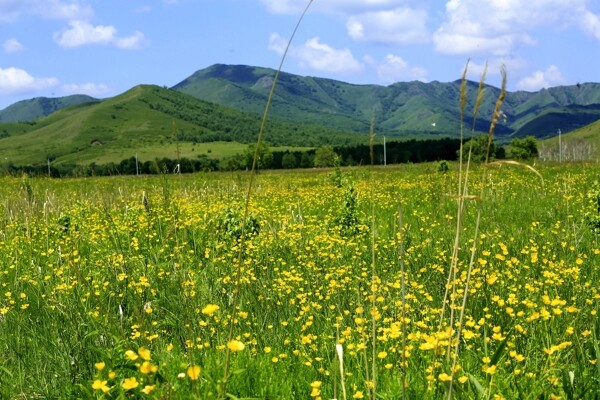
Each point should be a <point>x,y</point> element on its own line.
<point>264,157</point>
<point>325,157</point>
<point>524,149</point>
<point>479,149</point>
<point>289,161</point>
<point>306,160</point>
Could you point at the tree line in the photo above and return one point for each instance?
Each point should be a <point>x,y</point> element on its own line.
<point>394,152</point>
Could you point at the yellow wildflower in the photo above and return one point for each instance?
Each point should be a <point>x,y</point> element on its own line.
<point>193,372</point>
<point>130,383</point>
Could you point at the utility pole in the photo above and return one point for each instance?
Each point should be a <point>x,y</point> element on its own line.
<point>137,168</point>
<point>384,153</point>
<point>559,146</point>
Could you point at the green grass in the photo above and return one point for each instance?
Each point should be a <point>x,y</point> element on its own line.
<point>96,267</point>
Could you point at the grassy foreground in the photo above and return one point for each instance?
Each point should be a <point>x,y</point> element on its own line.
<point>123,287</point>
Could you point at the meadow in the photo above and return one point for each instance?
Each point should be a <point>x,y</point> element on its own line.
<point>345,284</point>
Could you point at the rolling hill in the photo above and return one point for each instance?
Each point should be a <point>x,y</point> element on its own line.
<point>149,121</point>
<point>216,110</point>
<point>29,110</point>
<point>401,108</point>
<point>580,144</point>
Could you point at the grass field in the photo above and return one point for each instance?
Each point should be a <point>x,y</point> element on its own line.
<point>136,287</point>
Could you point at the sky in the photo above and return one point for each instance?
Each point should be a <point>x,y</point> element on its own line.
<point>102,48</point>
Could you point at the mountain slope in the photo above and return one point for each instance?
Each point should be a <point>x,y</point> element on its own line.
<point>406,107</point>
<point>580,144</point>
<point>29,110</point>
<point>147,120</point>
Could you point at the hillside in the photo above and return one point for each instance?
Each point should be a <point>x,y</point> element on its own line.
<point>217,110</point>
<point>580,144</point>
<point>401,108</point>
<point>149,121</point>
<point>29,110</point>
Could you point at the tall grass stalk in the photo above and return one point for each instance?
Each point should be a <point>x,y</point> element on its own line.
<point>495,117</point>
<point>223,385</point>
<point>464,196</point>
<point>339,349</point>
<point>373,388</point>
<point>403,295</point>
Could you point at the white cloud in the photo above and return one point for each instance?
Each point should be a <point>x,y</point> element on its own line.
<point>11,10</point>
<point>397,26</point>
<point>15,80</point>
<point>497,27</point>
<point>12,46</point>
<point>331,6</point>
<point>277,43</point>
<point>395,69</point>
<point>92,89</point>
<point>590,23</point>
<point>81,33</point>
<point>322,57</point>
<point>143,9</point>
<point>542,79</point>
<point>318,56</point>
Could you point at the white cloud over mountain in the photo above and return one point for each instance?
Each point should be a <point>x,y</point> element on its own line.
<point>82,33</point>
<point>15,80</point>
<point>542,79</point>
<point>11,10</point>
<point>318,56</point>
<point>397,26</point>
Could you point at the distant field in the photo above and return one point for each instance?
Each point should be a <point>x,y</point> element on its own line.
<point>130,287</point>
<point>216,150</point>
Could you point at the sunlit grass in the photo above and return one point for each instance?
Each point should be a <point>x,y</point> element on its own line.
<point>111,282</point>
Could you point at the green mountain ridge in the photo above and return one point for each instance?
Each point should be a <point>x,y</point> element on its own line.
<point>404,107</point>
<point>217,110</point>
<point>32,109</point>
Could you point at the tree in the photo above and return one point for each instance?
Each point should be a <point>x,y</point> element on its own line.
<point>479,149</point>
<point>289,161</point>
<point>524,149</point>
<point>325,157</point>
<point>306,160</point>
<point>264,157</point>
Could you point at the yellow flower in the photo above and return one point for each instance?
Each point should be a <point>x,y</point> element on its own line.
<point>100,385</point>
<point>235,345</point>
<point>444,377</point>
<point>210,309</point>
<point>147,367</point>
<point>100,366</point>
<point>131,355</point>
<point>358,395</point>
<point>130,383</point>
<point>194,372</point>
<point>489,369</point>
<point>463,379</point>
<point>382,354</point>
<point>148,388</point>
<point>144,353</point>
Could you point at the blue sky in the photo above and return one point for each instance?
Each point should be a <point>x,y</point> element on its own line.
<point>104,47</point>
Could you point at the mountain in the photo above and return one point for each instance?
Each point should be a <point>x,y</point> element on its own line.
<point>401,108</point>
<point>149,121</point>
<point>29,110</point>
<point>216,111</point>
